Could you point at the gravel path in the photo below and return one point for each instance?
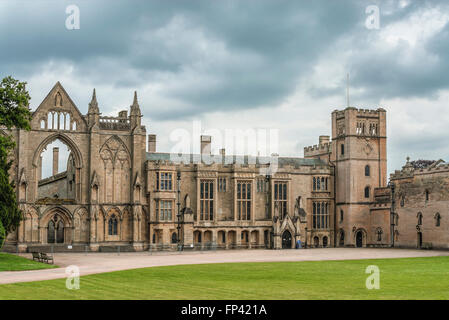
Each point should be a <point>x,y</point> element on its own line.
<point>92,263</point>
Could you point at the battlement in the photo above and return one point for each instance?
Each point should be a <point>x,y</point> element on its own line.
<point>408,171</point>
<point>324,147</point>
<point>360,112</point>
<point>370,112</point>
<point>115,123</point>
<point>321,148</point>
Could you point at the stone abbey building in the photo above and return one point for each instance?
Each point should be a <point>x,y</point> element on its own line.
<point>117,191</point>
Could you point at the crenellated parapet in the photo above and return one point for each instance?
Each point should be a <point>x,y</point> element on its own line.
<point>409,171</point>
<point>115,123</point>
<point>317,150</point>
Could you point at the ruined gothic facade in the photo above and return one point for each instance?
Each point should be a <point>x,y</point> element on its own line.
<point>117,191</point>
<point>420,217</point>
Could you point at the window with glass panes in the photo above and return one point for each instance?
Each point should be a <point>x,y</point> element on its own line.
<point>222,184</point>
<point>261,185</point>
<point>320,183</point>
<point>164,210</point>
<point>206,200</point>
<point>164,181</point>
<point>320,215</point>
<point>244,200</point>
<point>280,198</point>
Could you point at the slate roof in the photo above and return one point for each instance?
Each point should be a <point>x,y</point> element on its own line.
<point>282,161</point>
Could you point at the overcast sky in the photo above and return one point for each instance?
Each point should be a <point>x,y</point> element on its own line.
<point>243,64</point>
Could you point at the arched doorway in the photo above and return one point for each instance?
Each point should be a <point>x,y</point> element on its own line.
<point>324,242</point>
<point>359,239</point>
<point>419,240</point>
<point>55,230</point>
<point>341,241</point>
<point>316,241</point>
<point>286,240</point>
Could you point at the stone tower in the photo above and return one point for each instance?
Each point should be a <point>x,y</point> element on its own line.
<point>360,158</point>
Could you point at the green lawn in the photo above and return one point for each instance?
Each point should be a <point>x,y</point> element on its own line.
<point>10,262</point>
<point>411,278</point>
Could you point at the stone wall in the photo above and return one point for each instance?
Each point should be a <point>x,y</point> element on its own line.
<point>425,193</point>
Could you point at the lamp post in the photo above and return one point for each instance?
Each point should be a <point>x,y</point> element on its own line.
<point>178,227</point>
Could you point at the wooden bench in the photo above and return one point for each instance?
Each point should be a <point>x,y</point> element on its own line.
<point>46,258</point>
<point>36,255</point>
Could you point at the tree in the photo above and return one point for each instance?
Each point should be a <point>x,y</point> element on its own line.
<point>14,113</point>
<point>2,234</point>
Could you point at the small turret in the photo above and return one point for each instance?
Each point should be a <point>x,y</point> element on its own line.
<point>93,105</point>
<point>135,114</point>
<point>93,112</point>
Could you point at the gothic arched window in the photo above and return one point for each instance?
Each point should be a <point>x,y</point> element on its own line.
<point>112,225</point>
<point>55,230</point>
<point>367,192</point>
<point>437,219</point>
<point>174,238</point>
<point>51,232</point>
<point>367,171</point>
<point>419,216</point>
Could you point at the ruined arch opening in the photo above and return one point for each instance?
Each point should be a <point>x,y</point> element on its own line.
<point>57,167</point>
<point>56,172</point>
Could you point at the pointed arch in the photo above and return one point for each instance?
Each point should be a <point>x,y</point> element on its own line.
<point>114,143</point>
<point>66,140</point>
<point>437,218</point>
<point>61,211</point>
<point>114,209</point>
<point>58,99</point>
<point>419,218</point>
<point>360,237</point>
<point>49,104</point>
<point>116,170</point>
<point>113,225</point>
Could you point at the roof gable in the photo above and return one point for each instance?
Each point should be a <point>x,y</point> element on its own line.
<point>58,100</point>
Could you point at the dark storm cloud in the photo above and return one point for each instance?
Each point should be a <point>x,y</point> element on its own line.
<point>118,43</point>
<point>221,55</point>
<point>404,70</point>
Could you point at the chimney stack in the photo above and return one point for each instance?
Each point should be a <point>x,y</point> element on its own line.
<point>324,139</point>
<point>55,160</point>
<point>152,143</point>
<point>206,144</point>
